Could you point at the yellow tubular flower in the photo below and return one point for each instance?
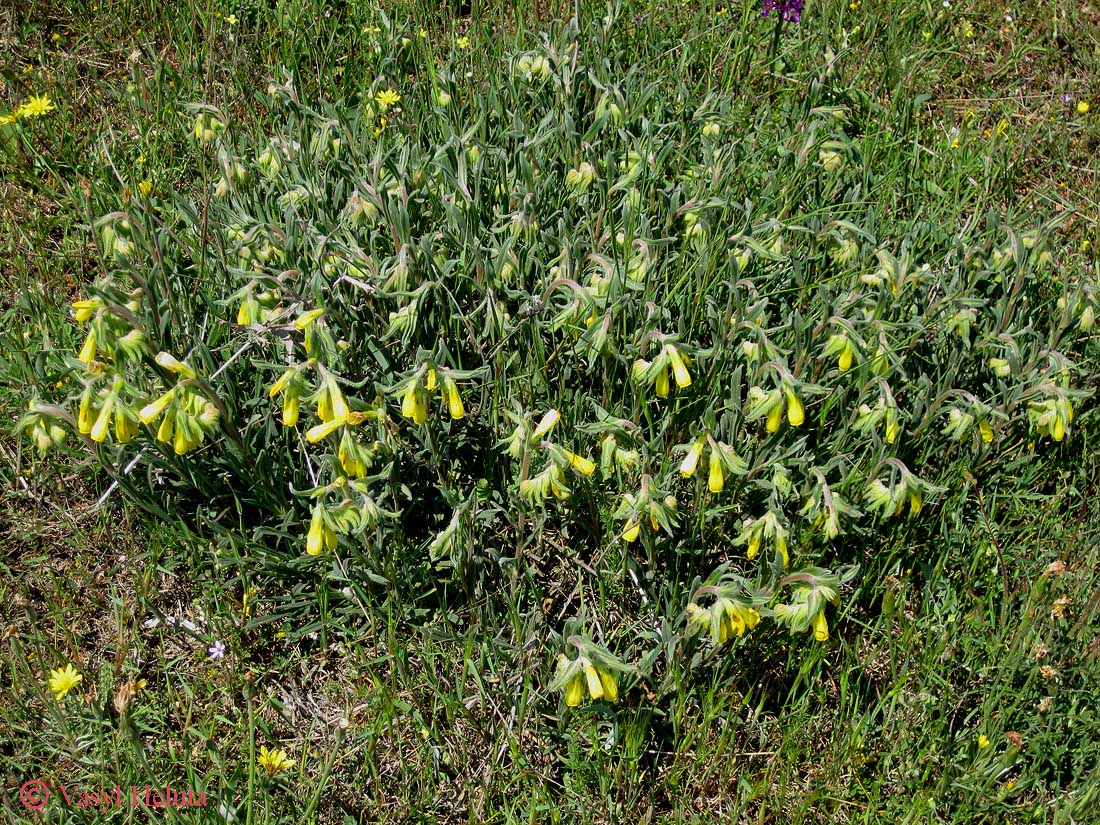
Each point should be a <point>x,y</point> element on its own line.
<point>430,381</point>
<point>325,428</point>
<point>125,427</point>
<point>892,427</point>
<point>243,319</point>
<point>103,421</point>
<point>579,463</point>
<point>87,352</point>
<point>775,418</point>
<point>661,386</point>
<point>408,402</point>
<point>679,368</point>
<point>610,686</point>
<point>595,686</point>
<point>691,460</point>
<point>181,443</point>
<point>340,409</point>
<point>985,430</point>
<point>915,502</point>
<point>796,413</point>
<point>1058,432</point>
<point>281,383</point>
<point>821,626</point>
<point>844,363</point>
<point>152,410</point>
<point>754,545</point>
<point>454,400</point>
<point>632,530</point>
<point>717,479</point>
<point>84,413</point>
<point>546,425</point>
<point>574,691</point>
<point>83,310</point>
<point>291,408</point>
<point>167,425</point>
<point>315,538</point>
<point>420,409</point>
<point>781,547</point>
<point>306,319</point>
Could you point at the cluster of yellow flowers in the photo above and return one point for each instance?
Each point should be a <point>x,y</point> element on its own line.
<point>592,670</point>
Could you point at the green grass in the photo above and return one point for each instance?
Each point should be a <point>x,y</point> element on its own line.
<point>939,645</point>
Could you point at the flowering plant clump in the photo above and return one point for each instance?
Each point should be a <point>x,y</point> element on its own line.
<point>388,352</point>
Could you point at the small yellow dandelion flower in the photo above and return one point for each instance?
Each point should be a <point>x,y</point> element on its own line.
<point>35,106</point>
<point>423,32</point>
<point>145,187</point>
<point>231,20</point>
<point>10,117</point>
<point>64,680</point>
<point>983,742</point>
<point>387,98</point>
<point>274,761</point>
<point>1082,107</point>
<point>463,42</point>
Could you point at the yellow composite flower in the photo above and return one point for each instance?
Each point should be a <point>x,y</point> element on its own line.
<point>274,761</point>
<point>35,106</point>
<point>387,98</point>
<point>63,680</point>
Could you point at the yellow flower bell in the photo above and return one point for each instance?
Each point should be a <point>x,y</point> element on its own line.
<point>595,685</point>
<point>103,421</point>
<point>775,418</point>
<point>821,626</point>
<point>796,413</point>
<point>691,460</point>
<point>717,479</point>
<point>87,352</point>
<point>291,408</point>
<point>579,463</point>
<point>679,368</point>
<point>633,529</point>
<point>454,400</point>
<point>610,686</point>
<point>662,386</point>
<point>316,538</point>
<point>574,692</point>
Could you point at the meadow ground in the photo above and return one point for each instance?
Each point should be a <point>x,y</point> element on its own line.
<point>959,682</point>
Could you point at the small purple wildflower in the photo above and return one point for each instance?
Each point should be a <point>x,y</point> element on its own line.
<point>789,10</point>
<point>217,651</point>
<point>1067,98</point>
